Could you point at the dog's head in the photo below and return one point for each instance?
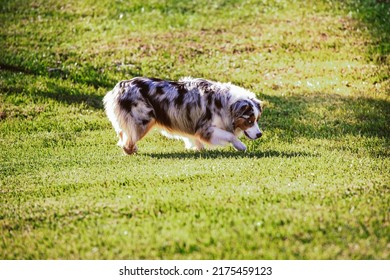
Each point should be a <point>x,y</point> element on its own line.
<point>246,114</point>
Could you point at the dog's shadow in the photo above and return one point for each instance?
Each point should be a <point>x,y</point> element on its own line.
<point>218,154</point>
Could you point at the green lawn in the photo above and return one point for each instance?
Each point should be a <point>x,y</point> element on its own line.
<point>315,186</point>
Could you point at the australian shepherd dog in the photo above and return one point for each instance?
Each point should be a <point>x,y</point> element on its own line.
<point>198,111</point>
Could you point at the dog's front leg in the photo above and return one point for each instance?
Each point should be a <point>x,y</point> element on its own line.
<point>221,137</point>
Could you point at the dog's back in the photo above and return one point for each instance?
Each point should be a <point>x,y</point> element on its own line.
<point>176,106</point>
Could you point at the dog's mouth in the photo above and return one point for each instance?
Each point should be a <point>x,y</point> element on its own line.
<point>246,134</point>
<point>253,138</point>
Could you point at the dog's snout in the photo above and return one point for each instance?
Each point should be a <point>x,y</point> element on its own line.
<point>258,135</point>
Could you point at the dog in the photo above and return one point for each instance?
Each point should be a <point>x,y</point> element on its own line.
<point>197,111</point>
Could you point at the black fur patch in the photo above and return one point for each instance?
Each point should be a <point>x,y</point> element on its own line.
<point>188,111</point>
<point>160,90</point>
<point>145,122</point>
<point>218,103</point>
<point>122,84</point>
<point>161,114</point>
<point>160,107</point>
<point>205,86</point>
<point>126,102</point>
<point>181,91</point>
<point>209,99</point>
<point>204,120</point>
<point>151,114</point>
<point>155,79</point>
<point>208,115</point>
<point>142,85</point>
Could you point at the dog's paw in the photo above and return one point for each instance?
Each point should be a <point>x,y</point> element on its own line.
<point>131,150</point>
<point>239,146</point>
<point>199,146</point>
<point>195,145</point>
<point>196,148</point>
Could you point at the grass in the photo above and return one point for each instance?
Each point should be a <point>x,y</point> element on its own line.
<point>315,186</point>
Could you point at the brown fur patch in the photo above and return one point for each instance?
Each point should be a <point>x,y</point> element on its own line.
<point>244,124</point>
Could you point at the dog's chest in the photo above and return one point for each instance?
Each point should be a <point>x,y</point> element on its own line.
<point>220,121</point>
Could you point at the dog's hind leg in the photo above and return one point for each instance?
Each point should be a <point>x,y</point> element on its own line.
<point>189,143</point>
<point>193,144</point>
<point>199,145</point>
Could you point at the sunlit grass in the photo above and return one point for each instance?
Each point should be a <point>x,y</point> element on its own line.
<point>315,186</point>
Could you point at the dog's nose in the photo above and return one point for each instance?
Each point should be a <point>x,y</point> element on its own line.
<point>258,135</point>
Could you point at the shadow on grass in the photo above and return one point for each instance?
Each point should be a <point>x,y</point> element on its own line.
<point>326,116</point>
<point>56,90</point>
<point>217,154</point>
<point>63,94</point>
<point>374,14</point>
<point>87,76</point>
<point>315,116</point>
<point>311,116</point>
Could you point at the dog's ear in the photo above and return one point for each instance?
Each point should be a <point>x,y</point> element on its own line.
<point>238,108</point>
<point>259,104</point>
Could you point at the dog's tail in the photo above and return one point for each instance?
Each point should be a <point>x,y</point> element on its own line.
<point>111,107</point>
<point>121,119</point>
